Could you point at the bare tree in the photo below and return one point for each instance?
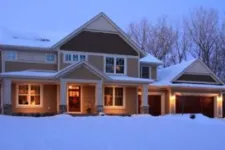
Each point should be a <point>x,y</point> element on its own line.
<point>202,27</point>
<point>157,39</point>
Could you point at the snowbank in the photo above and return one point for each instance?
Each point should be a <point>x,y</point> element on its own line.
<point>143,132</point>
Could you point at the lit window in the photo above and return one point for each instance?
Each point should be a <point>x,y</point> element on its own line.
<point>145,72</point>
<point>115,65</point>
<point>10,55</point>
<point>114,96</point>
<point>50,57</point>
<point>120,65</point>
<point>29,95</point>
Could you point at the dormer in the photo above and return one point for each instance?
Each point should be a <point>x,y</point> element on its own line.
<point>148,66</point>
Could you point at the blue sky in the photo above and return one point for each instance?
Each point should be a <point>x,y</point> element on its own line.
<point>66,15</point>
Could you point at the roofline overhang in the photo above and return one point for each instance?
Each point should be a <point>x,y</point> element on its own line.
<point>188,87</point>
<point>20,47</point>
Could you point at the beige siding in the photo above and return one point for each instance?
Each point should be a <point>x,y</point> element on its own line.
<point>81,73</point>
<point>101,24</point>
<point>49,101</point>
<point>97,61</point>
<point>61,63</point>
<point>197,67</point>
<point>88,98</point>
<point>32,56</point>
<point>153,72</point>
<point>131,103</point>
<point>19,66</point>
<point>132,67</point>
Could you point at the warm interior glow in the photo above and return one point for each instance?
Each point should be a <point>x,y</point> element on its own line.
<point>172,103</point>
<point>70,87</point>
<point>219,100</point>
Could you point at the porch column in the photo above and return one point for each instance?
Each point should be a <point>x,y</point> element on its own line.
<point>144,106</point>
<point>63,97</point>
<point>6,95</point>
<point>98,97</point>
<point>218,106</point>
<point>172,102</point>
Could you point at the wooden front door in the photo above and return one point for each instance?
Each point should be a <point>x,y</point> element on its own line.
<point>74,99</point>
<point>154,102</point>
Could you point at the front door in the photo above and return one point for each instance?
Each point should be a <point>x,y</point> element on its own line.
<point>74,99</point>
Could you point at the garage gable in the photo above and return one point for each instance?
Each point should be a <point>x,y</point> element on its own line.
<point>197,72</point>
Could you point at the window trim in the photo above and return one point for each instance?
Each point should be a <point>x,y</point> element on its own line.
<point>29,106</point>
<point>46,55</point>
<point>114,67</point>
<point>71,54</point>
<point>150,71</point>
<point>6,58</point>
<point>113,97</point>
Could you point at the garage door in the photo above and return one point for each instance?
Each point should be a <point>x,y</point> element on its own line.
<point>154,102</point>
<point>195,104</point>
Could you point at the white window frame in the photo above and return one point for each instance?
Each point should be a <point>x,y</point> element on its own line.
<point>113,98</point>
<point>48,61</point>
<point>9,57</point>
<point>150,71</point>
<point>71,55</point>
<point>114,68</point>
<point>29,95</point>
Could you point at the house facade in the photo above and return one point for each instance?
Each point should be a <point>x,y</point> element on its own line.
<point>97,68</point>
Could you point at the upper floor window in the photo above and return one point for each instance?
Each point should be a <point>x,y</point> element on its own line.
<point>10,55</point>
<point>145,72</point>
<point>50,57</point>
<point>115,65</point>
<point>73,57</point>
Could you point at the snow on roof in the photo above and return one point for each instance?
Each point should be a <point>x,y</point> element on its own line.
<point>150,59</point>
<point>129,79</point>
<point>43,39</point>
<point>166,75</point>
<point>30,73</point>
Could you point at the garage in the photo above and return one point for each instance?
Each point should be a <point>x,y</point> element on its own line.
<point>195,104</point>
<point>154,102</point>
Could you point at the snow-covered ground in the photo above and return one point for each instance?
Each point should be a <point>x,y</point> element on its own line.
<point>64,132</point>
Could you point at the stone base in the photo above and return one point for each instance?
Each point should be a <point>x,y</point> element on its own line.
<point>62,109</point>
<point>144,110</point>
<point>99,108</point>
<point>7,109</point>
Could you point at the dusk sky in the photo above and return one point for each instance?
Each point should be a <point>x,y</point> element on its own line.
<point>66,15</point>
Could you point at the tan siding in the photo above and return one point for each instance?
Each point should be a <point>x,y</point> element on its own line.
<point>62,64</point>
<point>82,73</point>
<point>88,98</point>
<point>132,67</point>
<point>154,72</point>
<point>197,67</point>
<point>19,66</point>
<point>96,61</point>
<point>49,101</point>
<point>131,103</point>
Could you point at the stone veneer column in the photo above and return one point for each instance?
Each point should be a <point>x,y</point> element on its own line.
<point>98,97</point>
<point>6,95</point>
<point>144,106</point>
<point>63,97</point>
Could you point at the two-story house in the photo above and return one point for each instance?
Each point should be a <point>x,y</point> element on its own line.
<point>97,68</point>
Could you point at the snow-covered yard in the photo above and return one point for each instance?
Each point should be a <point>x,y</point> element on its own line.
<point>64,132</point>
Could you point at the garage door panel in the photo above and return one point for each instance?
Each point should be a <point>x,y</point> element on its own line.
<point>195,104</point>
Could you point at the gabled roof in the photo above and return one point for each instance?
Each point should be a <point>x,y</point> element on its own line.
<point>166,76</point>
<point>150,59</point>
<point>78,30</point>
<point>78,64</point>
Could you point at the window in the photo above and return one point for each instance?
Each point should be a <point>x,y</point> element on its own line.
<point>73,57</point>
<point>114,96</point>
<point>29,95</point>
<point>109,65</point>
<point>10,55</point>
<point>50,57</point>
<point>115,65</point>
<point>145,72</point>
